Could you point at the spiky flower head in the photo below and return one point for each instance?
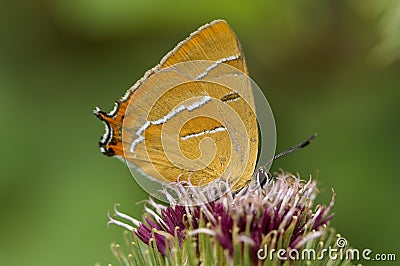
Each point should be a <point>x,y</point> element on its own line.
<point>243,228</point>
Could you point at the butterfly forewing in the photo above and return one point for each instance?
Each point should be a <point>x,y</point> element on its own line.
<point>192,116</point>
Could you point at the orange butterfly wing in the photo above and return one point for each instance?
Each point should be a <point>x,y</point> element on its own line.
<point>141,144</point>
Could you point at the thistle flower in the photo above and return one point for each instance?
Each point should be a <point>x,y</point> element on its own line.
<point>250,227</point>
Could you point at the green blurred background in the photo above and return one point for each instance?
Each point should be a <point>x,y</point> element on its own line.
<point>329,67</point>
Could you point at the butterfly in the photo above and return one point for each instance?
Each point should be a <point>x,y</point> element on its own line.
<point>191,117</point>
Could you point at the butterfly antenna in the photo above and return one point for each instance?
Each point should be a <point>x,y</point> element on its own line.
<point>293,149</point>
<point>299,146</point>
